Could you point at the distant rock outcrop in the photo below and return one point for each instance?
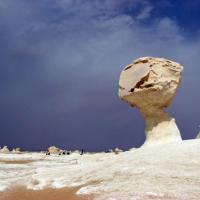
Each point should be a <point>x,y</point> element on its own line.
<point>117,150</point>
<point>150,85</point>
<point>16,150</point>
<point>53,150</point>
<point>4,150</point>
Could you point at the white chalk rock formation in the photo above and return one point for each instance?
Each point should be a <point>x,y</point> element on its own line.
<point>4,150</point>
<point>150,85</point>
<point>16,150</point>
<point>53,150</point>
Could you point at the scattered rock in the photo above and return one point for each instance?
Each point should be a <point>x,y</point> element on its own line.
<point>16,150</point>
<point>56,150</point>
<point>117,150</point>
<point>150,85</point>
<point>53,150</point>
<point>4,150</point>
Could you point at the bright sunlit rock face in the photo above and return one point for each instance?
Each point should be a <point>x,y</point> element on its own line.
<point>150,85</point>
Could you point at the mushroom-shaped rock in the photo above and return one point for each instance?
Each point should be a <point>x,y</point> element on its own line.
<point>150,85</point>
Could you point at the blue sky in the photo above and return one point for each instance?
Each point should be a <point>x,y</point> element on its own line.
<point>61,60</point>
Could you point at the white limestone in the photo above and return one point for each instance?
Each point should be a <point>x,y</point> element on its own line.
<point>167,170</point>
<point>150,85</point>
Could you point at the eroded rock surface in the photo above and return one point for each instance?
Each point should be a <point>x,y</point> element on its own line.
<point>150,85</point>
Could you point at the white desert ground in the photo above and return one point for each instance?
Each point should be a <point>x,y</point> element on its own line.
<point>168,171</point>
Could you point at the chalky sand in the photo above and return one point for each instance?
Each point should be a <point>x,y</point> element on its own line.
<point>165,167</point>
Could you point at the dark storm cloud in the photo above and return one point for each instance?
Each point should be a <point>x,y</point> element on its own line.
<point>60,63</point>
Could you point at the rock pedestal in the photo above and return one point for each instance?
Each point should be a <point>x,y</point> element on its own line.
<point>150,85</point>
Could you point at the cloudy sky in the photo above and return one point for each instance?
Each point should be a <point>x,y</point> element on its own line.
<point>60,62</point>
